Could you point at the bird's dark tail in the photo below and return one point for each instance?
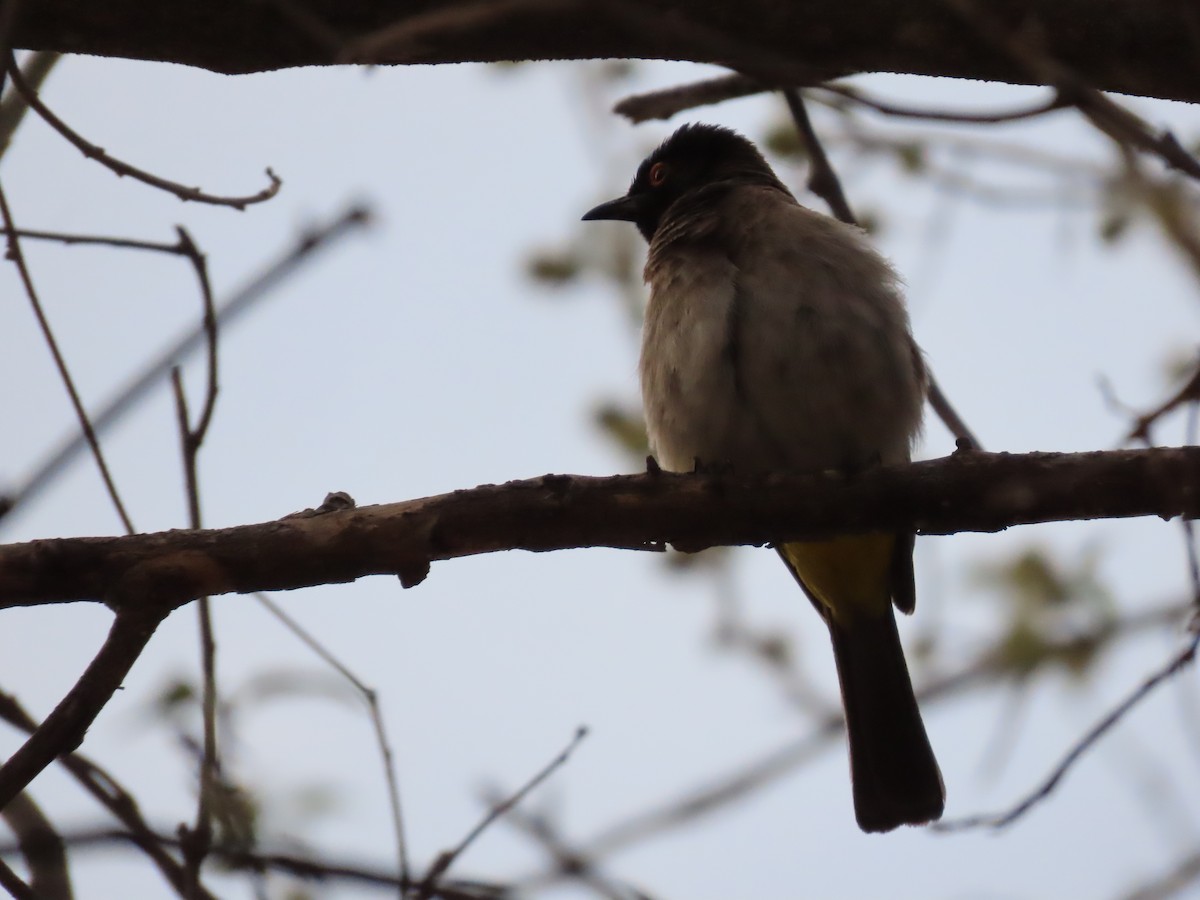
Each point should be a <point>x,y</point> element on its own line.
<point>892,767</point>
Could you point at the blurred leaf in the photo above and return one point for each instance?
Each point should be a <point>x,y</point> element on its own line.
<point>553,267</point>
<point>1055,610</point>
<point>625,428</point>
<point>1029,577</point>
<point>911,156</point>
<point>782,139</point>
<point>1179,366</point>
<point>314,801</point>
<point>871,221</point>
<point>712,558</point>
<point>235,814</point>
<point>1113,227</point>
<point>291,684</point>
<point>775,648</point>
<point>616,70</point>
<point>176,694</point>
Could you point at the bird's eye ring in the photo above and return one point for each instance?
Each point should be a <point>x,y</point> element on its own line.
<point>658,174</point>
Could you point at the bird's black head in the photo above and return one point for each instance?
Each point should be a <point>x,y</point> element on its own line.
<point>694,157</point>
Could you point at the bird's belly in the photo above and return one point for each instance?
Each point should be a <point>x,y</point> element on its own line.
<point>802,410</point>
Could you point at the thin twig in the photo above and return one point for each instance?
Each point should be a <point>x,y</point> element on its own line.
<point>42,846</point>
<point>900,111</point>
<point>243,299</point>
<point>1028,51</point>
<point>62,237</point>
<point>11,882</point>
<point>306,867</point>
<point>371,697</point>
<point>197,840</point>
<point>197,433</point>
<point>963,436</point>
<point>769,768</point>
<point>1000,820</point>
<point>822,179</point>
<point>92,151</point>
<point>663,104</point>
<point>429,884</point>
<point>64,728</point>
<point>13,106</point>
<point>111,795</point>
<point>567,859</point>
<point>824,182</point>
<point>1189,393</point>
<point>89,434</point>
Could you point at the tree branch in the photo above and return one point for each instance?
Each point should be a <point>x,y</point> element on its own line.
<point>64,728</point>
<point>1144,47</point>
<point>965,492</point>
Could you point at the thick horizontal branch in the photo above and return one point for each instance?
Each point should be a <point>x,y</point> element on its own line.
<point>1145,47</point>
<point>966,492</point>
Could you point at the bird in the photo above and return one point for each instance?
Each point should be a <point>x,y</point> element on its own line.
<point>776,339</point>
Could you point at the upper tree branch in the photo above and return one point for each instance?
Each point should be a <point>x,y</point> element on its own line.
<point>1145,47</point>
<point>966,492</point>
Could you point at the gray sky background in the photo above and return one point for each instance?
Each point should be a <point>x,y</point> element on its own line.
<point>418,359</point>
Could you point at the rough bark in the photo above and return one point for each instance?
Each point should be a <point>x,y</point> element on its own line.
<point>966,492</point>
<point>1146,47</point>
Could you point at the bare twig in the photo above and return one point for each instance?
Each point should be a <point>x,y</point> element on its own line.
<point>91,151</point>
<point>111,795</point>
<point>195,435</point>
<point>243,299</point>
<point>11,882</point>
<point>64,728</point>
<point>824,182</point>
<point>62,237</point>
<point>197,840</point>
<point>568,860</point>
<point>1000,820</point>
<point>42,846</point>
<point>306,867</point>
<point>822,179</point>
<point>445,860</point>
<point>1029,52</point>
<point>12,105</point>
<point>963,435</point>
<point>1189,393</point>
<point>88,432</point>
<point>371,698</point>
<point>663,104</point>
<point>770,767</point>
<point>900,111</point>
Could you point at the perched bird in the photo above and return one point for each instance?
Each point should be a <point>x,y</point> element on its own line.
<point>776,339</point>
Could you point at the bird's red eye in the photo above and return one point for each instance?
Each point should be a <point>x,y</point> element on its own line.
<point>658,174</point>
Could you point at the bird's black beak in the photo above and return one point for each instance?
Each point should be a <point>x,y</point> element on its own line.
<point>623,209</point>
